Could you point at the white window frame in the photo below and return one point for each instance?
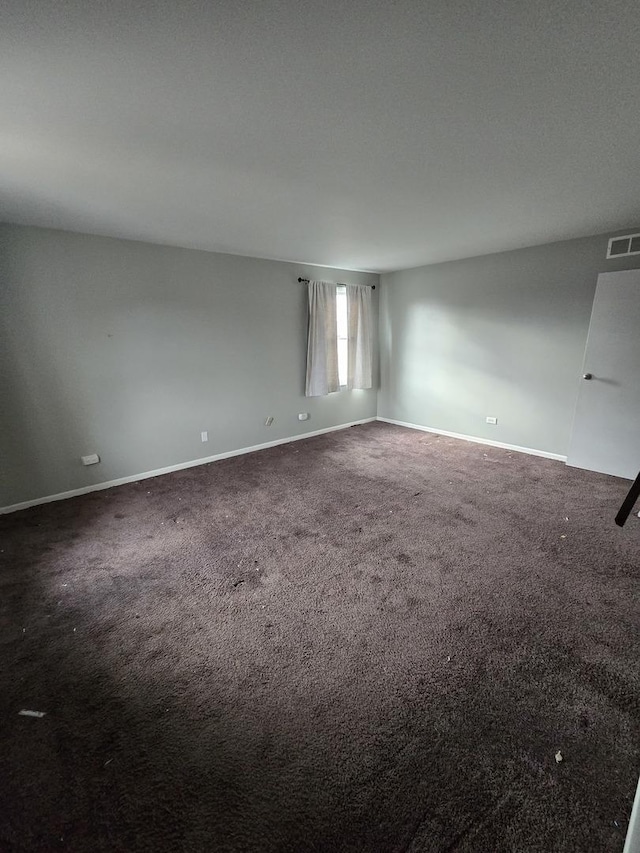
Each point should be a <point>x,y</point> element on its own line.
<point>343,334</point>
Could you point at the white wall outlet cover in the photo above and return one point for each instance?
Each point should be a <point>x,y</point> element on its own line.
<point>91,459</point>
<point>204,435</point>
<point>303,416</point>
<point>491,420</point>
<point>268,421</point>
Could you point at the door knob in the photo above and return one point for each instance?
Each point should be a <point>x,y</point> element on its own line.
<point>587,375</point>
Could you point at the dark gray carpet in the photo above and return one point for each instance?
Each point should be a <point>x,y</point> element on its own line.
<point>375,640</point>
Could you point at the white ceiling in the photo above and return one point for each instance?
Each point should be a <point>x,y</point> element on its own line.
<point>352,133</point>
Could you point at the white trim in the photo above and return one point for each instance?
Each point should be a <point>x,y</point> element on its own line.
<point>530,450</point>
<point>96,487</point>
<point>632,842</point>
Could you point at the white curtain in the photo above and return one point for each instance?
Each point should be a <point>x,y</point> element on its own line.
<point>359,325</point>
<point>322,344</point>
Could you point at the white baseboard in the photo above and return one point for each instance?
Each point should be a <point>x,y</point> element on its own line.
<point>96,487</point>
<point>530,450</point>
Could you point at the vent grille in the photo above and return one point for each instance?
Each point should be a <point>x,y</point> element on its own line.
<point>620,247</point>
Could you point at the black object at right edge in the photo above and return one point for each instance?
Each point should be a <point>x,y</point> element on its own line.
<point>625,510</point>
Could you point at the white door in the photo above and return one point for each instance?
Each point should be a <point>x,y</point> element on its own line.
<point>606,429</point>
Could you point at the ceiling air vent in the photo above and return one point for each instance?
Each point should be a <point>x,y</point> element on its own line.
<point>620,247</point>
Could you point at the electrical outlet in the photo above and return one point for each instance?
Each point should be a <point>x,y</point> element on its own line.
<point>91,459</point>
<point>268,421</point>
<point>491,420</point>
<point>303,416</point>
<point>204,436</point>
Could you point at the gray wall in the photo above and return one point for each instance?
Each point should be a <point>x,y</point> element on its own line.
<point>129,350</point>
<point>500,335</point>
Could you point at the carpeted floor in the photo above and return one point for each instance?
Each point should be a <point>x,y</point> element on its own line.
<point>374,640</point>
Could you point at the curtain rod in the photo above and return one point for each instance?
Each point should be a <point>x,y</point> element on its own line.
<point>340,284</point>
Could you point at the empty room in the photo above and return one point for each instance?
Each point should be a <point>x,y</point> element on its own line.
<point>319,426</point>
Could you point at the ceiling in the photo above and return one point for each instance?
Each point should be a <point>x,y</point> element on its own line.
<point>351,133</point>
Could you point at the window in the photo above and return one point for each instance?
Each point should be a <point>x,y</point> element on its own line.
<point>338,338</point>
<point>343,334</point>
